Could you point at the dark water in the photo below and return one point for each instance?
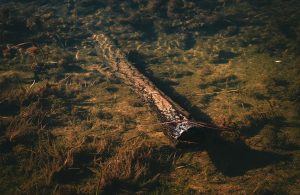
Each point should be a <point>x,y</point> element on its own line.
<point>68,125</point>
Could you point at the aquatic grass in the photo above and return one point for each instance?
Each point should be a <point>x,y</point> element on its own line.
<point>63,146</point>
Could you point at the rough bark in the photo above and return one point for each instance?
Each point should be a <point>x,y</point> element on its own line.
<point>174,117</point>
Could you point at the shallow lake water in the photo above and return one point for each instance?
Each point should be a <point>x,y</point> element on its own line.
<point>70,125</point>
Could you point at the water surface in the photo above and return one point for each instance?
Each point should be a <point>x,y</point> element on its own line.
<point>68,125</point>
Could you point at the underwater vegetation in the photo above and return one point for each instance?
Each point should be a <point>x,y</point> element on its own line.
<point>69,125</point>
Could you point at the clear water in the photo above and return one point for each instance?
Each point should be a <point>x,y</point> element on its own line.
<point>69,125</point>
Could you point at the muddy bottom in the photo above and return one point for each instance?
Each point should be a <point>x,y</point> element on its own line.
<point>70,125</point>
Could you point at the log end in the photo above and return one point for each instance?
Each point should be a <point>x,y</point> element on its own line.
<point>193,134</point>
<point>187,131</point>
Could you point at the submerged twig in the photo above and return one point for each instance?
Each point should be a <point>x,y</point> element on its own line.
<point>216,92</point>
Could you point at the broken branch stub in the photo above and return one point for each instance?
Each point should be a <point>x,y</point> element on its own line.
<point>176,120</point>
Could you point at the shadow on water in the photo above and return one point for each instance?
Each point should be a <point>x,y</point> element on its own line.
<point>257,125</point>
<point>234,158</point>
<point>231,158</point>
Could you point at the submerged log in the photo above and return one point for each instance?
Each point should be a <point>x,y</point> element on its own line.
<point>178,125</point>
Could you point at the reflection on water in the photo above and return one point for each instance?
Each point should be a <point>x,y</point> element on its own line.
<point>68,124</point>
